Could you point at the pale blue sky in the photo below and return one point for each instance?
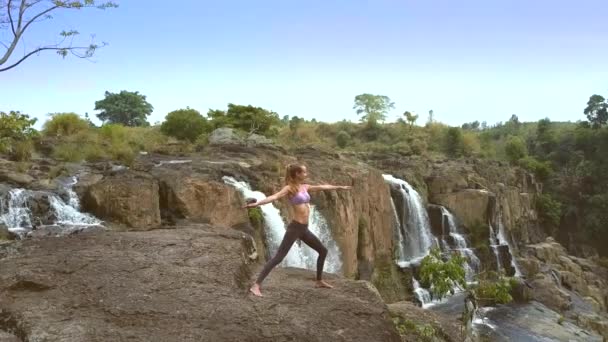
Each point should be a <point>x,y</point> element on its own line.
<point>467,60</point>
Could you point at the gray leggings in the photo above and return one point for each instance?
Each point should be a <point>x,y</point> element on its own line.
<point>295,230</point>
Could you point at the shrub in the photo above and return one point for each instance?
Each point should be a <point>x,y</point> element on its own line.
<point>515,149</point>
<point>542,170</point>
<point>184,124</point>
<point>114,132</point>
<point>342,139</point>
<point>494,290</point>
<point>65,124</point>
<point>441,276</point>
<point>22,150</point>
<point>549,210</point>
<point>68,152</point>
<point>454,142</point>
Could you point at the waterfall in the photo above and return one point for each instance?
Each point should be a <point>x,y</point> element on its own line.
<point>418,238</point>
<point>300,255</point>
<point>17,216</point>
<point>421,293</point>
<point>473,264</point>
<point>399,235</point>
<point>498,239</point>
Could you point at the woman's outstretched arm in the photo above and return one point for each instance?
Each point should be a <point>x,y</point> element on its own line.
<point>268,199</point>
<point>328,187</point>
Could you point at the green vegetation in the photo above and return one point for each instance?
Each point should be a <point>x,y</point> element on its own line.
<point>125,108</point>
<point>440,276</point>
<point>421,332</point>
<point>64,124</point>
<point>373,107</point>
<point>16,134</point>
<point>185,124</point>
<point>494,289</point>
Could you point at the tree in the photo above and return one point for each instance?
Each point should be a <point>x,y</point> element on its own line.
<point>294,123</point>
<point>374,107</point>
<point>17,16</point>
<point>597,111</point>
<point>454,142</point>
<point>246,118</point>
<point>184,124</point>
<point>515,149</point>
<point>411,118</point>
<point>65,124</point>
<point>16,130</point>
<point>431,118</point>
<point>473,126</point>
<point>126,108</point>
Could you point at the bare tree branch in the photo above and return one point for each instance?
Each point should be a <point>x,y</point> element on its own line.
<point>61,50</point>
<point>23,21</point>
<point>10,18</point>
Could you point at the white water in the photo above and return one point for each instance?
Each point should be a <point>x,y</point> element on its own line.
<point>502,240</point>
<point>399,234</point>
<point>473,263</point>
<point>418,239</point>
<point>17,216</point>
<point>421,293</point>
<point>299,255</point>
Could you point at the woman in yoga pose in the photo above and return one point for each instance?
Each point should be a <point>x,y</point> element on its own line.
<point>297,191</point>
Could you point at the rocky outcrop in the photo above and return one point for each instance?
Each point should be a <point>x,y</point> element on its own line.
<point>472,207</point>
<point>128,197</point>
<point>577,287</point>
<point>196,198</point>
<point>185,284</point>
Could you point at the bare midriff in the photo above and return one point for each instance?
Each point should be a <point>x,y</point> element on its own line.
<point>301,212</point>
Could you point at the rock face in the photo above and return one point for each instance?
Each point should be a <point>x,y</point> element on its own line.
<point>577,287</point>
<point>472,207</point>
<point>412,320</point>
<point>185,284</point>
<point>194,197</point>
<point>130,198</point>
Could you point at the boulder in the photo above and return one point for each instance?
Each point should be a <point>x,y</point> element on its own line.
<point>128,198</point>
<point>185,284</point>
<point>16,178</point>
<point>546,291</point>
<point>411,320</point>
<point>196,198</point>
<point>225,136</point>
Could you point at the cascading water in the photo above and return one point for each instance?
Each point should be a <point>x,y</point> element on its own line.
<point>418,238</point>
<point>498,239</point>
<point>399,236</point>
<point>421,293</point>
<point>17,216</point>
<point>473,263</point>
<point>300,256</point>
<point>68,213</point>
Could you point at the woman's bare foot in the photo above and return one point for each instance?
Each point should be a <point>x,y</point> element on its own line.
<point>255,289</point>
<point>323,284</point>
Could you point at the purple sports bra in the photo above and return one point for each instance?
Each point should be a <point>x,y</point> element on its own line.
<point>301,197</point>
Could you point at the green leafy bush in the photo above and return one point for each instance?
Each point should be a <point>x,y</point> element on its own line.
<point>441,276</point>
<point>63,124</point>
<point>342,139</point>
<point>184,124</point>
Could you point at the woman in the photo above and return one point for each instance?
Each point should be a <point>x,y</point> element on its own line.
<point>297,191</point>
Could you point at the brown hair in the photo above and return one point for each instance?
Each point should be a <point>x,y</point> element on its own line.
<point>290,178</point>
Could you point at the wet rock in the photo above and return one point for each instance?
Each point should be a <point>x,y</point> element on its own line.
<point>546,291</point>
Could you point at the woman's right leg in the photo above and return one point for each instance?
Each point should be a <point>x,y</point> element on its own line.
<point>291,235</point>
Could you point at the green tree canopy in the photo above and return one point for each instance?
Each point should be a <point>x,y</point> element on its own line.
<point>125,108</point>
<point>247,118</point>
<point>373,107</point>
<point>184,124</point>
<point>515,149</point>
<point>17,17</point>
<point>597,111</point>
